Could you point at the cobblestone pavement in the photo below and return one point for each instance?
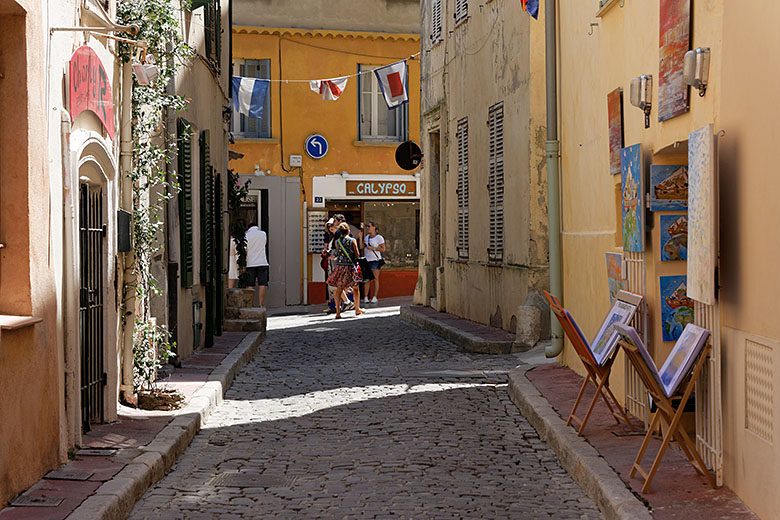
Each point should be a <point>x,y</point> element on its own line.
<point>366,417</point>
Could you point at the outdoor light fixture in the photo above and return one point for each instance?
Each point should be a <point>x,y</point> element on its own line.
<point>696,69</point>
<point>145,73</point>
<point>642,95</point>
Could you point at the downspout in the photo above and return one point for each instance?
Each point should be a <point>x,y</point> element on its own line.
<point>553,149</point>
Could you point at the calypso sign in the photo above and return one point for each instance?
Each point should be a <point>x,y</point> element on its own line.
<point>382,188</point>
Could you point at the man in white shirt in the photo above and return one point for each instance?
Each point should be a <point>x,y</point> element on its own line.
<point>256,261</point>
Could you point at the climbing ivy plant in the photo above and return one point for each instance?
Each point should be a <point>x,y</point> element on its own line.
<point>152,152</point>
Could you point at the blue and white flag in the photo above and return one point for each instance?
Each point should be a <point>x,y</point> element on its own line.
<point>249,95</point>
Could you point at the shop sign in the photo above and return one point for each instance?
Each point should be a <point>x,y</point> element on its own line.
<point>382,188</point>
<point>90,88</point>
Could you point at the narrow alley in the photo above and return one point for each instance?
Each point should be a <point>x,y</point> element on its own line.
<point>366,417</point>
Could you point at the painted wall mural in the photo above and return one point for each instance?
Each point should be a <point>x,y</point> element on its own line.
<point>668,187</point>
<point>674,237</point>
<point>615,115</point>
<point>615,275</point>
<point>676,306</point>
<point>632,190</point>
<point>675,36</point>
<point>702,215</point>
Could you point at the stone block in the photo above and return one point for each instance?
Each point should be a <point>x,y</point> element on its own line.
<point>529,328</point>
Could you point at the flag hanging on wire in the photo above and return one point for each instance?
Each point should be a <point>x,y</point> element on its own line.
<point>392,80</point>
<point>330,89</point>
<point>531,7</point>
<point>249,95</point>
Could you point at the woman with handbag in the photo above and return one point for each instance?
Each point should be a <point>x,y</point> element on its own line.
<point>346,271</point>
<point>374,247</point>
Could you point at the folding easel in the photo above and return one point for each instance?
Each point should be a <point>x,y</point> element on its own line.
<point>669,413</point>
<point>599,374</point>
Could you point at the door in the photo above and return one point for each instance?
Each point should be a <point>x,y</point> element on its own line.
<point>92,232</point>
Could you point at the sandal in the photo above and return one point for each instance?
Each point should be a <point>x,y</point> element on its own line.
<point>360,312</point>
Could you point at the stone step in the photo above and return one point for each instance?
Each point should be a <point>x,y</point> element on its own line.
<point>239,297</point>
<point>245,313</point>
<point>243,325</point>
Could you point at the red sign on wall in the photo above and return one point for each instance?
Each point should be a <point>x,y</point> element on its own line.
<point>90,88</point>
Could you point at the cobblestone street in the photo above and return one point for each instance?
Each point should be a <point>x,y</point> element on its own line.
<point>366,418</point>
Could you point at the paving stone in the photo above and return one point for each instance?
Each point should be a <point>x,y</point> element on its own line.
<point>372,418</point>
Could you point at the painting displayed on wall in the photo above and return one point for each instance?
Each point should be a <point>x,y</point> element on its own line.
<point>632,190</point>
<point>676,306</point>
<point>702,215</point>
<point>668,187</point>
<point>675,39</point>
<point>615,116</point>
<point>674,237</point>
<point>615,275</point>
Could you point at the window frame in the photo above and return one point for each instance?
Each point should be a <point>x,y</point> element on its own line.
<point>239,120</point>
<point>401,113</point>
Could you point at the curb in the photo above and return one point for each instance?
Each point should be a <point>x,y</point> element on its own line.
<point>116,498</point>
<point>469,342</point>
<point>581,460</point>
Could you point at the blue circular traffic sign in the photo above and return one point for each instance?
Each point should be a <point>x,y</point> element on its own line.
<point>316,146</point>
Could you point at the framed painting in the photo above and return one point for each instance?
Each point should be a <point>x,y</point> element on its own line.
<point>674,237</point>
<point>606,338</point>
<point>615,275</point>
<point>702,215</point>
<point>676,306</point>
<point>629,334</point>
<point>615,117</point>
<point>668,187</point>
<point>632,190</point>
<point>681,358</point>
<point>674,42</point>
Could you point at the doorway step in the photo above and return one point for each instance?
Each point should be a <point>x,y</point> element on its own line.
<point>240,316</point>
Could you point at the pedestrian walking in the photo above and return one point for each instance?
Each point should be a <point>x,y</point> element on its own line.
<point>374,246</point>
<point>346,272</point>
<point>233,264</point>
<point>327,264</point>
<point>256,261</point>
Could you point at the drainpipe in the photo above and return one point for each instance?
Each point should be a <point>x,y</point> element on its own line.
<point>305,233</point>
<point>553,147</point>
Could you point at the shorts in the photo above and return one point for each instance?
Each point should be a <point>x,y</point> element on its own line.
<point>375,265</point>
<point>259,273</point>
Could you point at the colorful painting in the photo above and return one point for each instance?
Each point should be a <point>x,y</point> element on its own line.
<point>606,340</point>
<point>668,187</point>
<point>702,216</point>
<point>615,116</point>
<point>676,306</point>
<point>632,190</point>
<point>681,358</point>
<point>674,237</point>
<point>615,275</point>
<point>675,40</point>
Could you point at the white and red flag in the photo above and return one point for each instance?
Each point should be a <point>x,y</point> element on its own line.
<point>392,80</point>
<point>330,89</point>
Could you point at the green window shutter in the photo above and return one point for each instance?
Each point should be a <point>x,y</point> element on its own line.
<point>218,34</point>
<point>206,211</point>
<point>199,3</point>
<point>185,201</point>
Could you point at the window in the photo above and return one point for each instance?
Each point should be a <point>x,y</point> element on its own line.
<point>436,8</point>
<point>212,24</point>
<point>496,181</point>
<point>377,122</point>
<point>184,141</point>
<point>462,136</point>
<point>461,10</point>
<point>252,127</point>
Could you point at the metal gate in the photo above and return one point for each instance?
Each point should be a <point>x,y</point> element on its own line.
<point>92,232</point>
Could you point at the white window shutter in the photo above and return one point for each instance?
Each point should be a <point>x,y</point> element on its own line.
<point>462,136</point>
<point>496,181</point>
<point>436,8</point>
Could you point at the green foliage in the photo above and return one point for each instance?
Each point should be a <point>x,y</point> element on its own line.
<point>152,152</point>
<point>236,194</point>
<point>151,348</point>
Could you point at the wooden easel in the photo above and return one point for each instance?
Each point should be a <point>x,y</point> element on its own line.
<point>599,374</point>
<point>670,414</point>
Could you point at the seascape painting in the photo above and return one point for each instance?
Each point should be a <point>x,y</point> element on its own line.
<point>615,117</point>
<point>674,237</point>
<point>682,357</point>
<point>702,248</point>
<point>632,190</point>
<point>606,339</point>
<point>674,42</point>
<point>615,275</point>
<point>676,306</point>
<point>668,187</point>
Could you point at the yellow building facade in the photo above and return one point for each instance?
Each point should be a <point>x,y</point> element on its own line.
<point>603,45</point>
<point>361,134</point>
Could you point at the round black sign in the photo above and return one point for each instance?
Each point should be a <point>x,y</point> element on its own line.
<point>408,155</point>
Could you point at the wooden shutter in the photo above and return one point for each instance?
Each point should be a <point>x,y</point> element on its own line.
<point>184,141</point>
<point>462,136</point>
<point>206,210</point>
<point>436,20</point>
<point>461,10</point>
<point>496,181</point>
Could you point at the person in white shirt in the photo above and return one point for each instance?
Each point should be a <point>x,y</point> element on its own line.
<point>374,247</point>
<point>256,261</point>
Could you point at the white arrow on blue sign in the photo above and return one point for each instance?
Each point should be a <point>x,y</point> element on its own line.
<point>316,146</point>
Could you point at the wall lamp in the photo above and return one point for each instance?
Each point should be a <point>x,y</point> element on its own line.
<point>696,69</point>
<point>642,95</point>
